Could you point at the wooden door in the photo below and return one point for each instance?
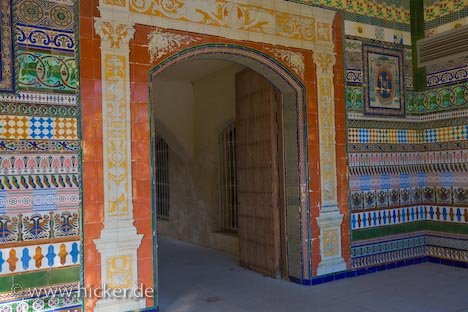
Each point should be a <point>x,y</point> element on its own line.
<point>258,174</point>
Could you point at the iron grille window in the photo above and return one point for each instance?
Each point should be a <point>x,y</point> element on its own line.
<point>227,179</point>
<point>162,178</point>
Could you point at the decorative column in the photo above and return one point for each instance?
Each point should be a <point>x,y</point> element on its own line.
<point>119,240</point>
<point>330,218</point>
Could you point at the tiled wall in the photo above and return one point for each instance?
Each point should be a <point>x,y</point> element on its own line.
<point>446,99</point>
<point>407,189</point>
<point>406,173</point>
<point>40,181</point>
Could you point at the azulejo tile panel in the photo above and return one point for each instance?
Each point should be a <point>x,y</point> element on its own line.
<point>32,127</point>
<point>39,225</point>
<point>67,300</point>
<point>450,76</point>
<point>406,136</point>
<point>39,98</point>
<point>413,190</point>
<point>438,100</point>
<point>386,217</point>
<point>442,8</point>
<point>20,164</point>
<point>44,71</point>
<point>38,110</point>
<point>7,72</point>
<point>18,201</point>
<point>388,245</point>
<point>40,183</point>
<point>448,253</point>
<point>408,158</point>
<point>39,257</point>
<point>46,14</point>
<point>44,38</point>
<point>14,146</point>
<point>391,10</point>
<point>383,81</point>
<point>393,248</point>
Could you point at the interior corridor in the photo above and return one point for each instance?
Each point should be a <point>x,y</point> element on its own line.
<point>194,278</point>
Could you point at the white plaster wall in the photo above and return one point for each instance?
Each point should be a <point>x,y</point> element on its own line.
<point>193,181</point>
<point>174,107</point>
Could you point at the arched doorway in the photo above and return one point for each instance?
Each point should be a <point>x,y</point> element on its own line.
<point>301,59</point>
<point>279,256</point>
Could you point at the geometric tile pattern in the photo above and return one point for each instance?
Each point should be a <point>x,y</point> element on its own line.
<point>61,300</point>
<point>367,193</point>
<point>383,136</point>
<point>442,8</point>
<point>404,172</point>
<point>390,10</point>
<point>23,201</point>
<point>19,164</point>
<point>438,100</point>
<point>46,14</point>
<point>388,257</point>
<point>450,76</point>
<point>7,64</point>
<point>445,134</point>
<point>41,71</point>
<point>28,146</point>
<point>40,174</point>
<point>448,253</point>
<point>28,127</point>
<point>409,245</point>
<point>407,158</point>
<point>45,38</point>
<point>387,245</point>
<point>38,98</point>
<point>39,182</point>
<point>378,218</point>
<point>39,257</point>
<point>24,109</point>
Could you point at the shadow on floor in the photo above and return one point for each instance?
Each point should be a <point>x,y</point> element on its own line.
<point>197,279</point>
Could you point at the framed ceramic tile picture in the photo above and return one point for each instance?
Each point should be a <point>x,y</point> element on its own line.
<point>383,81</point>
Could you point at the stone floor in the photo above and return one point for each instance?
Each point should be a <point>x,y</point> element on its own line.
<point>198,279</point>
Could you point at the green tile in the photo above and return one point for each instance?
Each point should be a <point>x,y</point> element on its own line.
<point>34,279</point>
<point>6,283</point>
<point>388,230</point>
<point>447,227</point>
<point>67,275</point>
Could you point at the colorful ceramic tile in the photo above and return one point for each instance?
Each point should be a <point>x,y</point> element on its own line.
<point>13,146</point>
<point>38,164</point>
<point>39,225</point>
<point>42,71</point>
<point>44,38</point>
<point>442,8</point>
<point>65,299</point>
<point>27,127</point>
<point>58,15</point>
<point>39,98</point>
<point>39,257</point>
<point>7,64</point>
<point>383,81</point>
